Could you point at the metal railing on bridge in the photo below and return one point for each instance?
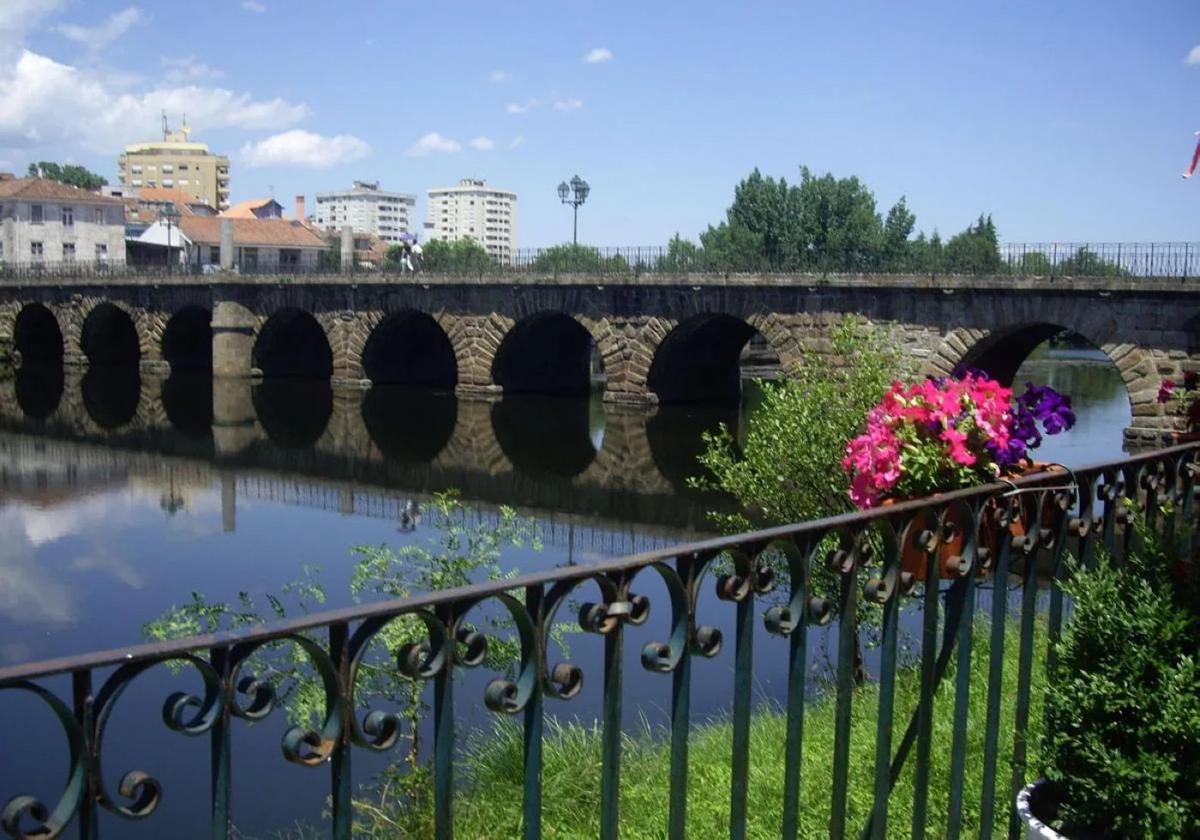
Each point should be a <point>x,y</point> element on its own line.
<point>1062,511</point>
<point>1168,260</point>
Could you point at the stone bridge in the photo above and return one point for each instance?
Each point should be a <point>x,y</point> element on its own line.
<point>658,340</point>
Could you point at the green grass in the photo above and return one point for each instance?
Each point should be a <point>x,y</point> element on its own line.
<point>490,771</point>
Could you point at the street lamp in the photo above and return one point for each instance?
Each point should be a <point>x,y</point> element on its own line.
<point>171,214</point>
<point>574,194</point>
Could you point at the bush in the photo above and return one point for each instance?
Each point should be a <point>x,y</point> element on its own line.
<point>790,467</point>
<point>1122,743</point>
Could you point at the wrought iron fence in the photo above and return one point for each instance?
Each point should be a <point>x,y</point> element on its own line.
<point>1060,511</point>
<point>1168,260</point>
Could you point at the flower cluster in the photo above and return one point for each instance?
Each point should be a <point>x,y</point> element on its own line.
<point>1189,396</point>
<point>948,432</point>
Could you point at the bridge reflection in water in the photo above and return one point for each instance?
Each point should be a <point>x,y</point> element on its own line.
<point>562,460</point>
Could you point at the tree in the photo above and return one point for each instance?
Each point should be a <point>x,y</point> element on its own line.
<point>75,176</point>
<point>824,223</point>
<point>462,256</point>
<point>682,256</point>
<point>974,251</point>
<point>577,259</point>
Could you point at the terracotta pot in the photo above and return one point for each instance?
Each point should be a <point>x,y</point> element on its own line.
<point>912,557</point>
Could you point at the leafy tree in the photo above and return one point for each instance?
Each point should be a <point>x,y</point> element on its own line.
<point>581,259</point>
<point>822,223</point>
<point>462,256</point>
<point>1087,263</point>
<point>974,251</point>
<point>69,173</point>
<point>682,256</point>
<point>896,251</point>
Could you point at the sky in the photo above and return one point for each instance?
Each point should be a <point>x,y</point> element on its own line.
<point>1067,121</point>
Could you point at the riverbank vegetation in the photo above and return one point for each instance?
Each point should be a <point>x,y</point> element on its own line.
<point>488,804</point>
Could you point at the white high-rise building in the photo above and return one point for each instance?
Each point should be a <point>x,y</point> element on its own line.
<point>367,209</point>
<point>473,210</point>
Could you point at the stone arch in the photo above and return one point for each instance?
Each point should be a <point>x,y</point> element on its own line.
<point>111,396</point>
<point>109,336</point>
<point>547,352</point>
<point>698,360</point>
<point>37,335</point>
<point>186,342</point>
<point>1000,352</point>
<point>293,343</point>
<point>407,347</point>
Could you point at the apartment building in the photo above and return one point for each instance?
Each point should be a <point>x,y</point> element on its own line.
<point>45,222</point>
<point>473,210</point>
<point>367,209</point>
<point>176,162</point>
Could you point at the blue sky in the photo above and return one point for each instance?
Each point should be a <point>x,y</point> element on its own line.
<point>1066,120</point>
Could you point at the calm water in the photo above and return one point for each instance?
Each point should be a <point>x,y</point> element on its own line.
<point>119,500</point>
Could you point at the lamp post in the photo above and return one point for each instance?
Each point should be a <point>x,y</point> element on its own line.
<point>171,214</point>
<point>574,193</point>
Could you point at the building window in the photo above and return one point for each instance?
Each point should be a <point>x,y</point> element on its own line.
<point>214,254</point>
<point>101,252</point>
<point>36,251</point>
<point>98,216</point>
<point>290,257</point>
<point>250,258</point>
<point>35,214</point>
<point>68,252</point>
<point>68,217</point>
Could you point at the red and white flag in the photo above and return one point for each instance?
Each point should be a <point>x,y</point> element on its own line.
<point>1195,159</point>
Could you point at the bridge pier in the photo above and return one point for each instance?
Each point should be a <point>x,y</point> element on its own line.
<point>235,423</point>
<point>233,328</point>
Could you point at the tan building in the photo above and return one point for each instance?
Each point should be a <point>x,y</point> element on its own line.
<point>175,162</point>
<point>473,210</point>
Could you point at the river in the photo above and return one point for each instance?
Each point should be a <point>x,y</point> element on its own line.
<point>119,503</point>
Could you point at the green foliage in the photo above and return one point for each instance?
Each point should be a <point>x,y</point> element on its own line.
<point>1122,741</point>
<point>68,173</point>
<point>457,555</point>
<point>823,223</point>
<point>489,803</point>
<point>462,256</point>
<point>974,251</point>
<point>1087,263</point>
<point>790,467</point>
<point>577,259</point>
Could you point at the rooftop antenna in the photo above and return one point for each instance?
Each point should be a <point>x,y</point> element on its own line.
<point>166,129</point>
<point>186,129</point>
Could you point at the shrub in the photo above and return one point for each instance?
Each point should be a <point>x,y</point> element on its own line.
<point>1122,742</point>
<point>790,467</point>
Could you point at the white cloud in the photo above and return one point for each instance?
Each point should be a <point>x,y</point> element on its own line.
<point>483,144</point>
<point>598,55</point>
<point>568,103</point>
<point>304,148</point>
<point>433,143</point>
<point>43,102</point>
<point>1193,57</point>
<point>519,140</point>
<point>181,70</point>
<point>522,108</point>
<point>18,18</point>
<point>500,76</point>
<point>253,6</point>
<point>100,36</point>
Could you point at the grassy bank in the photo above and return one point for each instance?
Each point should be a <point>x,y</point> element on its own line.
<point>490,772</point>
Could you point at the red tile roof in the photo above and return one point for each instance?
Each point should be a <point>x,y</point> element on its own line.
<point>46,190</point>
<point>206,230</point>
